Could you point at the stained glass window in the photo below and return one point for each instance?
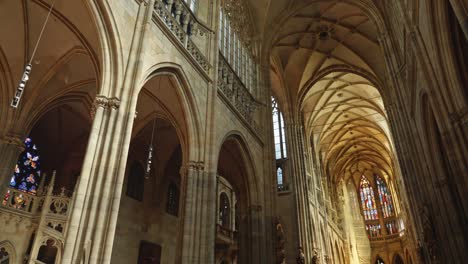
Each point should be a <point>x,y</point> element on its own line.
<point>385,197</point>
<point>367,199</point>
<point>278,131</point>
<point>27,170</point>
<point>172,203</point>
<point>392,227</point>
<point>374,230</point>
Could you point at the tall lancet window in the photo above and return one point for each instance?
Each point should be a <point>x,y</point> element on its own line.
<point>279,133</point>
<point>369,207</point>
<point>27,170</point>
<point>280,144</point>
<point>384,196</point>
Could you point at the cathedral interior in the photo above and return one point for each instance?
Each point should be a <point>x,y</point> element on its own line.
<point>233,131</point>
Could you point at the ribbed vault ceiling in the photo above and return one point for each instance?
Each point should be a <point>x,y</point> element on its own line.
<point>65,66</point>
<point>327,61</point>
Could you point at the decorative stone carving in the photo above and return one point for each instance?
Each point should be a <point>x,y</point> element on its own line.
<point>176,16</point>
<point>238,13</point>
<point>14,140</point>
<point>236,93</point>
<point>315,257</point>
<point>429,234</point>
<point>280,242</point>
<point>300,259</point>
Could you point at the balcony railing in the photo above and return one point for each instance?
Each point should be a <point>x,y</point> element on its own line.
<point>176,16</point>
<point>57,209</point>
<point>237,95</point>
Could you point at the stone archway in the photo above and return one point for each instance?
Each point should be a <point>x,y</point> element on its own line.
<point>234,166</point>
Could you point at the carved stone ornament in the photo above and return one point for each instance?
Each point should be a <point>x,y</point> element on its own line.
<point>239,15</point>
<point>280,242</point>
<point>14,140</point>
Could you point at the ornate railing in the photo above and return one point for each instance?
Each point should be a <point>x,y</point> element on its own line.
<point>236,93</point>
<point>176,16</point>
<point>21,201</point>
<point>57,209</point>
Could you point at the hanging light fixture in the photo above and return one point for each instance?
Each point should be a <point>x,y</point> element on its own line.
<point>150,153</point>
<point>28,68</point>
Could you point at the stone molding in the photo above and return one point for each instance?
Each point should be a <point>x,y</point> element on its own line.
<point>14,140</point>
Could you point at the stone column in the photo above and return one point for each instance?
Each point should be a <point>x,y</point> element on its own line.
<point>298,175</point>
<point>77,247</point>
<point>198,239</point>
<point>10,148</point>
<point>255,222</point>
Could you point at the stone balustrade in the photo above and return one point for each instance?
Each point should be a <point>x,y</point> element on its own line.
<point>177,17</point>
<point>236,94</point>
<point>24,204</point>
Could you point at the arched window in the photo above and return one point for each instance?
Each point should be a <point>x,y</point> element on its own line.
<point>135,182</point>
<point>278,129</point>
<point>224,211</point>
<point>384,196</point>
<point>172,203</point>
<point>367,199</point>
<point>48,252</point>
<point>27,170</point>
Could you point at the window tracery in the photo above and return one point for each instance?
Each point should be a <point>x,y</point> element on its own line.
<point>384,196</point>
<point>234,41</point>
<point>278,131</point>
<point>27,170</point>
<point>367,199</point>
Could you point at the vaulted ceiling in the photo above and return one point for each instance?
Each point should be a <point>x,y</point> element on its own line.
<point>66,61</point>
<point>326,68</point>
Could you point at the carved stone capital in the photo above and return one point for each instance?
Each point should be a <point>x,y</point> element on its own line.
<point>14,140</point>
<point>106,102</point>
<point>192,166</point>
<point>114,103</point>
<point>101,101</point>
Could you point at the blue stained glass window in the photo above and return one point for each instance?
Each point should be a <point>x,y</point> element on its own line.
<point>27,170</point>
<point>385,197</point>
<point>367,199</point>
